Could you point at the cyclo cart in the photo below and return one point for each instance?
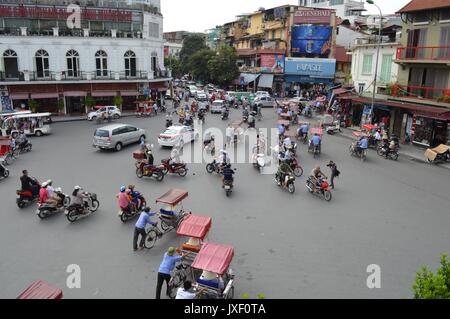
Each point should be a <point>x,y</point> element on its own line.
<point>144,108</point>
<point>370,130</point>
<point>313,131</point>
<point>170,216</point>
<point>357,136</point>
<point>41,290</point>
<point>196,228</point>
<point>6,154</point>
<point>210,273</point>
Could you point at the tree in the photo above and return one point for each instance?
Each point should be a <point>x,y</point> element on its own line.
<point>89,101</point>
<point>429,285</point>
<point>223,67</point>
<point>118,101</point>
<point>198,64</point>
<point>33,105</point>
<point>174,64</point>
<point>191,44</point>
<point>60,105</point>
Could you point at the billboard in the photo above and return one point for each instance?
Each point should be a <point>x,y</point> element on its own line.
<point>316,68</point>
<point>311,39</point>
<point>312,17</point>
<point>272,63</point>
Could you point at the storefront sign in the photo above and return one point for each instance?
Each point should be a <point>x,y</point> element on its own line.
<point>272,63</point>
<point>312,17</point>
<point>311,39</point>
<point>318,68</point>
<point>62,14</point>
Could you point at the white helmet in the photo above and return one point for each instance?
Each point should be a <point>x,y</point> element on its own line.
<point>77,188</point>
<point>58,190</point>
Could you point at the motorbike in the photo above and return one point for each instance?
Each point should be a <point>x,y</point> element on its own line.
<point>214,167</point>
<point>179,169</point>
<point>323,190</point>
<point>245,116</point>
<point>25,147</point>
<point>5,172</point>
<point>125,215</point>
<point>289,183</point>
<point>46,209</point>
<point>354,151</point>
<point>225,115</point>
<point>228,187</point>
<point>296,168</point>
<point>25,198</point>
<point>391,154</point>
<point>440,154</point>
<point>147,170</point>
<point>315,149</point>
<point>334,129</point>
<point>201,116</point>
<point>90,206</point>
<point>169,123</point>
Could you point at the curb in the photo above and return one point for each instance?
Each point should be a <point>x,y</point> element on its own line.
<point>80,119</point>
<point>407,155</point>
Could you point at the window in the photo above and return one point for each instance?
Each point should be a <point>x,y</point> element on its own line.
<point>274,33</point>
<point>336,2</point>
<point>153,30</point>
<point>444,53</point>
<point>361,88</point>
<point>367,64</point>
<point>101,63</point>
<point>73,63</point>
<point>11,65</point>
<point>42,64</point>
<point>154,61</point>
<point>445,14</point>
<point>130,63</point>
<point>386,66</point>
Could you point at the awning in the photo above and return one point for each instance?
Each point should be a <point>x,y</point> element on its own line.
<point>195,226</point>
<point>214,258</point>
<point>307,79</point>
<point>266,81</point>
<point>18,96</point>
<point>247,78</point>
<point>104,93</point>
<point>44,95</point>
<point>75,93</point>
<point>163,86</point>
<point>129,93</point>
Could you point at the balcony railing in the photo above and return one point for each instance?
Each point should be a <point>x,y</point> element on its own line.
<point>44,75</point>
<point>419,92</point>
<point>437,53</point>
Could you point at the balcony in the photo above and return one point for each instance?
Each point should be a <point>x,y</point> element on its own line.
<point>436,54</point>
<point>420,93</point>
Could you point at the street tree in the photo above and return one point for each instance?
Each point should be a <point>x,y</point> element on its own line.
<point>191,45</point>
<point>174,64</point>
<point>429,285</point>
<point>223,67</point>
<point>198,64</point>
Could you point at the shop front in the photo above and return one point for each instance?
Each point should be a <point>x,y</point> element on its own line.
<point>430,132</point>
<point>304,72</point>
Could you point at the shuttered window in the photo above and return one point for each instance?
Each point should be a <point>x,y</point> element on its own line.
<point>386,67</point>
<point>367,64</point>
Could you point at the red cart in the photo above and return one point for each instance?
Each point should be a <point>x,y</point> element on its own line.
<point>196,228</point>
<point>41,290</point>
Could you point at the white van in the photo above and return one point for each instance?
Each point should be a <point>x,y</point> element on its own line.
<point>217,106</point>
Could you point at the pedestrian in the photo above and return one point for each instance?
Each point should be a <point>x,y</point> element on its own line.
<point>139,229</point>
<point>165,269</point>
<point>334,172</point>
<point>229,132</point>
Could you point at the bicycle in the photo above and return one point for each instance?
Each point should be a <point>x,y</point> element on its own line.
<point>179,276</point>
<point>152,235</point>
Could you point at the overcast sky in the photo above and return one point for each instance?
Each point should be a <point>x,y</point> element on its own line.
<point>200,15</point>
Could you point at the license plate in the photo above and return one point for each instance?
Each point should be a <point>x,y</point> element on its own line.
<point>227,187</point>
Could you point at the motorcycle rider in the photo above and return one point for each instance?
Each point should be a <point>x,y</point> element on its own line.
<point>362,145</point>
<point>223,159</point>
<point>29,184</point>
<point>283,173</point>
<point>43,193</point>
<point>148,154</point>
<point>135,197</point>
<point>174,159</point>
<point>169,120</point>
<point>225,112</point>
<point>303,130</point>
<point>227,175</point>
<point>78,198</point>
<point>316,141</point>
<point>124,201</point>
<point>21,140</point>
<point>251,119</point>
<point>316,175</point>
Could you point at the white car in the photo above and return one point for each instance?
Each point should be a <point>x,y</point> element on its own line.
<point>262,93</point>
<point>193,90</point>
<point>177,135</point>
<point>201,96</point>
<point>115,112</point>
<point>264,101</point>
<point>217,106</point>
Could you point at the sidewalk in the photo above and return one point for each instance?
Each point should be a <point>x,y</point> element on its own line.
<point>409,151</point>
<point>68,118</point>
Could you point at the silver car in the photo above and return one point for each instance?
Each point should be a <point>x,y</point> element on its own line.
<point>117,135</point>
<point>264,101</point>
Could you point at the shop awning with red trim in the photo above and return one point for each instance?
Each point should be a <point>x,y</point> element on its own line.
<point>104,93</point>
<point>44,95</point>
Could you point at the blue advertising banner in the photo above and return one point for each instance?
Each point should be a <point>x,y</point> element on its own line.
<point>314,68</point>
<point>311,39</point>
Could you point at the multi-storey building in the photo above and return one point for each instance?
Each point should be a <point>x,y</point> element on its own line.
<point>345,9</point>
<point>102,49</point>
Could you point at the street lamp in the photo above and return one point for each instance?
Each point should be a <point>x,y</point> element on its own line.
<point>378,52</point>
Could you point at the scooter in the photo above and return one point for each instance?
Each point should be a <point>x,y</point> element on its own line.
<point>228,187</point>
<point>45,210</point>
<point>225,115</point>
<point>362,154</point>
<point>214,167</point>
<point>146,170</point>
<point>90,206</point>
<point>335,128</point>
<point>287,183</point>
<point>5,172</point>
<point>25,198</point>
<point>323,190</point>
<point>126,216</point>
<point>391,154</point>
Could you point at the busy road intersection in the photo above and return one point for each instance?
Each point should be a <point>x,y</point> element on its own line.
<point>388,213</point>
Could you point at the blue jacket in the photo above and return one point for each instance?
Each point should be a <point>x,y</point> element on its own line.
<point>316,140</point>
<point>364,144</point>
<point>144,219</point>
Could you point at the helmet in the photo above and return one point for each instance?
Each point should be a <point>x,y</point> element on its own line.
<point>49,182</point>
<point>122,189</point>
<point>77,188</point>
<point>58,190</point>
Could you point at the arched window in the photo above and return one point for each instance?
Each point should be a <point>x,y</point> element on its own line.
<point>101,63</point>
<point>11,64</point>
<point>130,63</point>
<point>154,61</point>
<point>73,63</point>
<point>42,64</point>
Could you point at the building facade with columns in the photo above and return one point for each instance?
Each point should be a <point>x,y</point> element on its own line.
<point>110,49</point>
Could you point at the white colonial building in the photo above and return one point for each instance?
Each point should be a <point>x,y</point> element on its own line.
<point>364,64</point>
<point>117,49</point>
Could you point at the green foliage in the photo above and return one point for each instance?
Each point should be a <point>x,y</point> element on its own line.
<point>198,64</point>
<point>429,285</point>
<point>118,101</point>
<point>89,101</point>
<point>33,105</point>
<point>173,64</point>
<point>261,296</point>
<point>191,45</point>
<point>444,98</point>
<point>60,104</point>
<point>223,67</point>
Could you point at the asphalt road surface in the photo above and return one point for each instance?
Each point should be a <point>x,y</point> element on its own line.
<point>393,214</point>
